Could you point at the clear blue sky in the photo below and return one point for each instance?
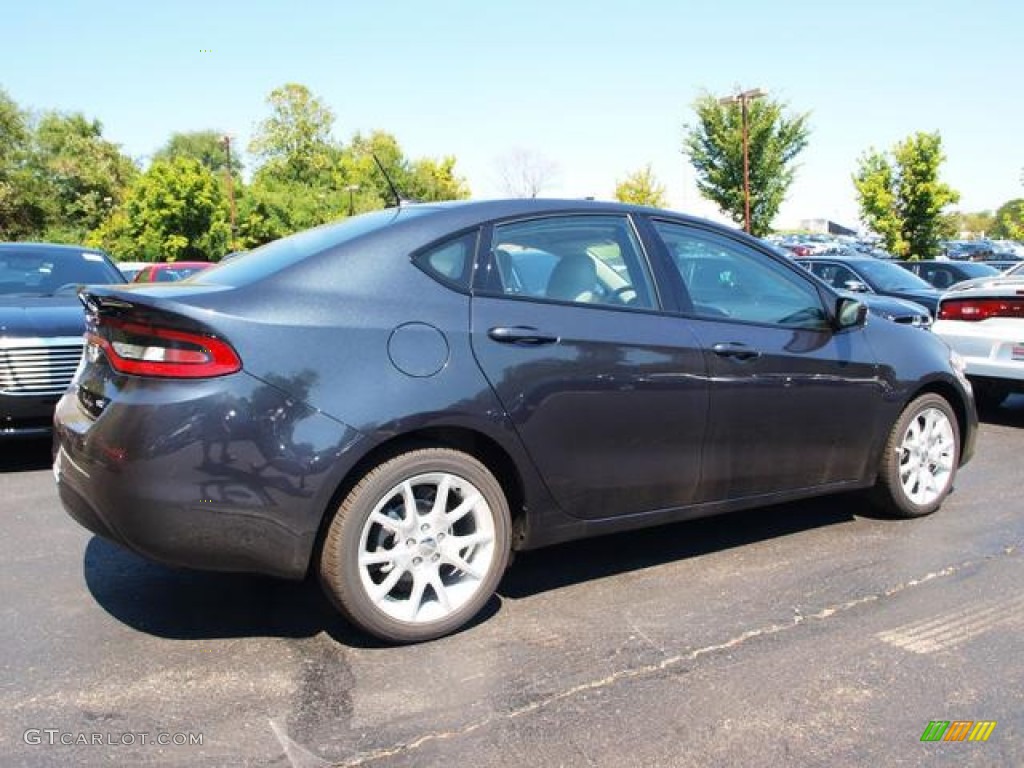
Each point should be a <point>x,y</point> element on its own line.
<point>600,88</point>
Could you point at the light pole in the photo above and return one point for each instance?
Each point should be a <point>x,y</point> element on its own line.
<point>231,187</point>
<point>351,203</point>
<point>743,98</point>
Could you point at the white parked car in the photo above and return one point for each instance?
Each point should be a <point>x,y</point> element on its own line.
<point>983,320</point>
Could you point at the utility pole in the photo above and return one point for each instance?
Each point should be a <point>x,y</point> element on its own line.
<point>743,98</point>
<point>231,188</point>
<point>351,188</point>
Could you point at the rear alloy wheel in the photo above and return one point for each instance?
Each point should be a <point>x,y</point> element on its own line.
<point>920,459</point>
<point>418,546</point>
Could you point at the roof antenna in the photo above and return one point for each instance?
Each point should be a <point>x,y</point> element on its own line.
<point>394,190</point>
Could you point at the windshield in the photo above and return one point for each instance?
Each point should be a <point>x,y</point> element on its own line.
<point>884,276</point>
<point>35,271</point>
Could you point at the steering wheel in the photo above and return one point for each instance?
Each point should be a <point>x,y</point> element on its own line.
<point>616,294</point>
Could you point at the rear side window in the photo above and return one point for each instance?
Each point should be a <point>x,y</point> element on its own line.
<point>280,254</point>
<point>580,259</point>
<point>451,262</point>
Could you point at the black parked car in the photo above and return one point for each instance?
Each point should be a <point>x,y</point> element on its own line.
<point>398,400</point>
<point>943,274</point>
<point>869,275</point>
<point>41,327</point>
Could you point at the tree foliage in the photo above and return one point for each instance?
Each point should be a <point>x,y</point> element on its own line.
<point>641,188</point>
<point>902,198</point>
<point>979,223</point>
<point>21,191</point>
<point>86,175</point>
<point>174,212</point>
<point>714,144</point>
<point>1009,220</point>
<point>345,181</point>
<point>208,147</point>
<point>294,143</point>
<point>60,179</point>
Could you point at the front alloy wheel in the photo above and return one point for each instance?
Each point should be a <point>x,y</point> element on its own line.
<point>920,459</point>
<point>418,546</point>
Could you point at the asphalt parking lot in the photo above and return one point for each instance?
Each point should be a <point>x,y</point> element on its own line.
<point>806,634</point>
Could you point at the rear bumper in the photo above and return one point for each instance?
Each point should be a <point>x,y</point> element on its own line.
<point>992,349</point>
<point>26,415</point>
<point>203,478</point>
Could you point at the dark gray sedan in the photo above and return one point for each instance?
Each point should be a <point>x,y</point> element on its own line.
<point>398,401</point>
<point>867,275</point>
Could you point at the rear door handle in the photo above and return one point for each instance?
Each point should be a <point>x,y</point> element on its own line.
<point>522,335</point>
<point>735,350</point>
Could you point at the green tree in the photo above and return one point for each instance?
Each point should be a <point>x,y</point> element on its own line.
<point>295,142</point>
<point>175,211</point>
<point>425,179</point>
<point>22,197</point>
<point>59,178</point>
<point>208,147</point>
<point>1009,220</point>
<point>901,197</point>
<point>305,178</point>
<point>85,176</point>
<point>432,180</point>
<point>272,207</point>
<point>641,188</point>
<point>979,223</point>
<point>714,144</point>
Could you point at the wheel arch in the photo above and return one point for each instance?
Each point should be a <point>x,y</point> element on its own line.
<point>473,442</point>
<point>951,395</point>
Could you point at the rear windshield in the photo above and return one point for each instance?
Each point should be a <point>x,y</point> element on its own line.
<point>45,271</point>
<point>273,257</point>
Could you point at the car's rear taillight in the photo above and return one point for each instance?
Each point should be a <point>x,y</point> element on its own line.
<point>143,349</point>
<point>980,308</point>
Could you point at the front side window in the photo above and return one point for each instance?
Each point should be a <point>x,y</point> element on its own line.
<point>594,260</point>
<point>725,280</point>
<point>838,276</point>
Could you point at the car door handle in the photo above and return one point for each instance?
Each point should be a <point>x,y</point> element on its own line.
<point>523,335</point>
<point>735,350</point>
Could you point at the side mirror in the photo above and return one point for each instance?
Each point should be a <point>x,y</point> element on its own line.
<point>856,286</point>
<point>850,313</point>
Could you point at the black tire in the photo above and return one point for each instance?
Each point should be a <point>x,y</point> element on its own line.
<point>409,552</point>
<point>989,394</point>
<point>890,493</point>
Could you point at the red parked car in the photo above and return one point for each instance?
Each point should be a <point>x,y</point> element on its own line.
<point>170,271</point>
